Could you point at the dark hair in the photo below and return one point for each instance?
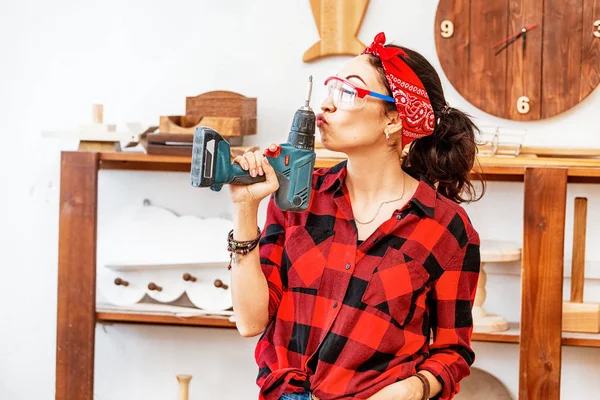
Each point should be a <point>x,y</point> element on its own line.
<point>447,156</point>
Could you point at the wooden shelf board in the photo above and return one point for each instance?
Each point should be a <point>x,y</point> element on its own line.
<point>509,336</point>
<point>512,336</point>
<point>494,168</point>
<point>214,322</point>
<point>144,162</point>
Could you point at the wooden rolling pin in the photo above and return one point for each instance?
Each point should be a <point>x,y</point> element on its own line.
<point>184,386</point>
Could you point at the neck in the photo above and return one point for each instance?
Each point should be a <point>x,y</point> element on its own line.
<point>375,176</point>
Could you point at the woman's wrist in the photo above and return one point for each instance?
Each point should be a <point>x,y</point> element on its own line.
<point>245,220</point>
<point>417,388</point>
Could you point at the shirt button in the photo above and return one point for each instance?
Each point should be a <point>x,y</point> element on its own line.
<point>335,305</point>
<point>398,217</point>
<point>347,266</point>
<point>375,240</point>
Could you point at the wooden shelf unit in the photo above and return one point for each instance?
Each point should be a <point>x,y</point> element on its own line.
<point>540,330</point>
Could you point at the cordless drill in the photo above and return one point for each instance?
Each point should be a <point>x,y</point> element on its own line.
<point>293,161</point>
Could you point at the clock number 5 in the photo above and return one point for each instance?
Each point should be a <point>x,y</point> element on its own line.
<point>597,28</point>
<point>523,105</point>
<point>447,29</point>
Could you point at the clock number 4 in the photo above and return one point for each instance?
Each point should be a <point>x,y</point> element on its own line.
<point>523,105</point>
<point>447,28</point>
<point>597,28</point>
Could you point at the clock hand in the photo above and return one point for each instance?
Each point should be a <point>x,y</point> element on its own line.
<point>524,43</point>
<point>511,41</point>
<point>527,28</point>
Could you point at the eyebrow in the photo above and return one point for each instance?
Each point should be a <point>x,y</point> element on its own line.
<point>358,77</point>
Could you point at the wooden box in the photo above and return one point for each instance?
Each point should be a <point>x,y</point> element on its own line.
<point>229,113</point>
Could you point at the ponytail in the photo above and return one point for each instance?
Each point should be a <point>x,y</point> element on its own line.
<point>447,156</point>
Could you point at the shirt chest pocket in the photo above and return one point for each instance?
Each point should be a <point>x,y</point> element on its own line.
<point>397,286</point>
<point>305,254</point>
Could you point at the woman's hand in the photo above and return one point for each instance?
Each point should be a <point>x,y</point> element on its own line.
<point>408,389</point>
<point>256,163</point>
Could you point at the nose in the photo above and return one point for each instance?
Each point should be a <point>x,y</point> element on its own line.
<point>327,105</point>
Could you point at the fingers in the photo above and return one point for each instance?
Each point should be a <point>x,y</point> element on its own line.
<point>270,175</point>
<point>258,156</point>
<point>251,160</point>
<point>241,161</point>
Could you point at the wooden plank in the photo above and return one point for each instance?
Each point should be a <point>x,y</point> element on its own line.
<point>164,320</point>
<point>509,336</point>
<point>76,276</point>
<point>453,51</point>
<point>561,69</point>
<point>142,157</point>
<point>524,69</point>
<point>169,150</point>
<point>590,49</point>
<point>561,151</point>
<point>584,340</point>
<point>542,283</point>
<point>578,262</point>
<point>495,168</point>
<point>574,339</point>
<point>488,72</point>
<point>530,161</point>
<point>145,162</point>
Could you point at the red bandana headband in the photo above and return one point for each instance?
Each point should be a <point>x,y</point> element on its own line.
<point>407,89</point>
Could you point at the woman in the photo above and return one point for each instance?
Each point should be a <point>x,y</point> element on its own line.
<point>348,291</point>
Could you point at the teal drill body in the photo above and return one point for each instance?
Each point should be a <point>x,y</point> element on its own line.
<point>293,162</point>
<point>293,167</point>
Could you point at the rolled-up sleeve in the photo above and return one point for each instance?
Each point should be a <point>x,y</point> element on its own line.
<point>271,250</point>
<point>453,294</point>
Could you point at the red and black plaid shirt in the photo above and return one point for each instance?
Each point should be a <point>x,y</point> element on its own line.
<point>348,320</point>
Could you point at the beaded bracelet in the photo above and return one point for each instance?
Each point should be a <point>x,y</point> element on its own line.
<point>242,247</point>
<point>426,386</point>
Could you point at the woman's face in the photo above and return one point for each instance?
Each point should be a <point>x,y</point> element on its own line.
<point>347,129</point>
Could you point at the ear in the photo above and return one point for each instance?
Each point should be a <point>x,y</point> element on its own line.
<point>394,126</point>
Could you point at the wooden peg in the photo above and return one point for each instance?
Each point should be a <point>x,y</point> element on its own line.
<point>184,386</point>
<point>154,286</point>
<point>121,282</point>
<point>219,283</point>
<point>188,277</point>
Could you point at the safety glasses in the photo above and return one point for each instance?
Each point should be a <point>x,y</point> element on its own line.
<point>346,96</point>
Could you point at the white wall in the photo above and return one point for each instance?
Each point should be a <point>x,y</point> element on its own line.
<point>140,59</point>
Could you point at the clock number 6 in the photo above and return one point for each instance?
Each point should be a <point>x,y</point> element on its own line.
<point>523,105</point>
<point>447,28</point>
<point>597,28</point>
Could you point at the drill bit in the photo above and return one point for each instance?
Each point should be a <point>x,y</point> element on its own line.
<point>308,94</point>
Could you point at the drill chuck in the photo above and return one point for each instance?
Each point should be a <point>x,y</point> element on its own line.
<point>302,132</point>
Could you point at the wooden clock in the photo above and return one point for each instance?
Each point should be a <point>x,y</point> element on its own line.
<point>522,60</point>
